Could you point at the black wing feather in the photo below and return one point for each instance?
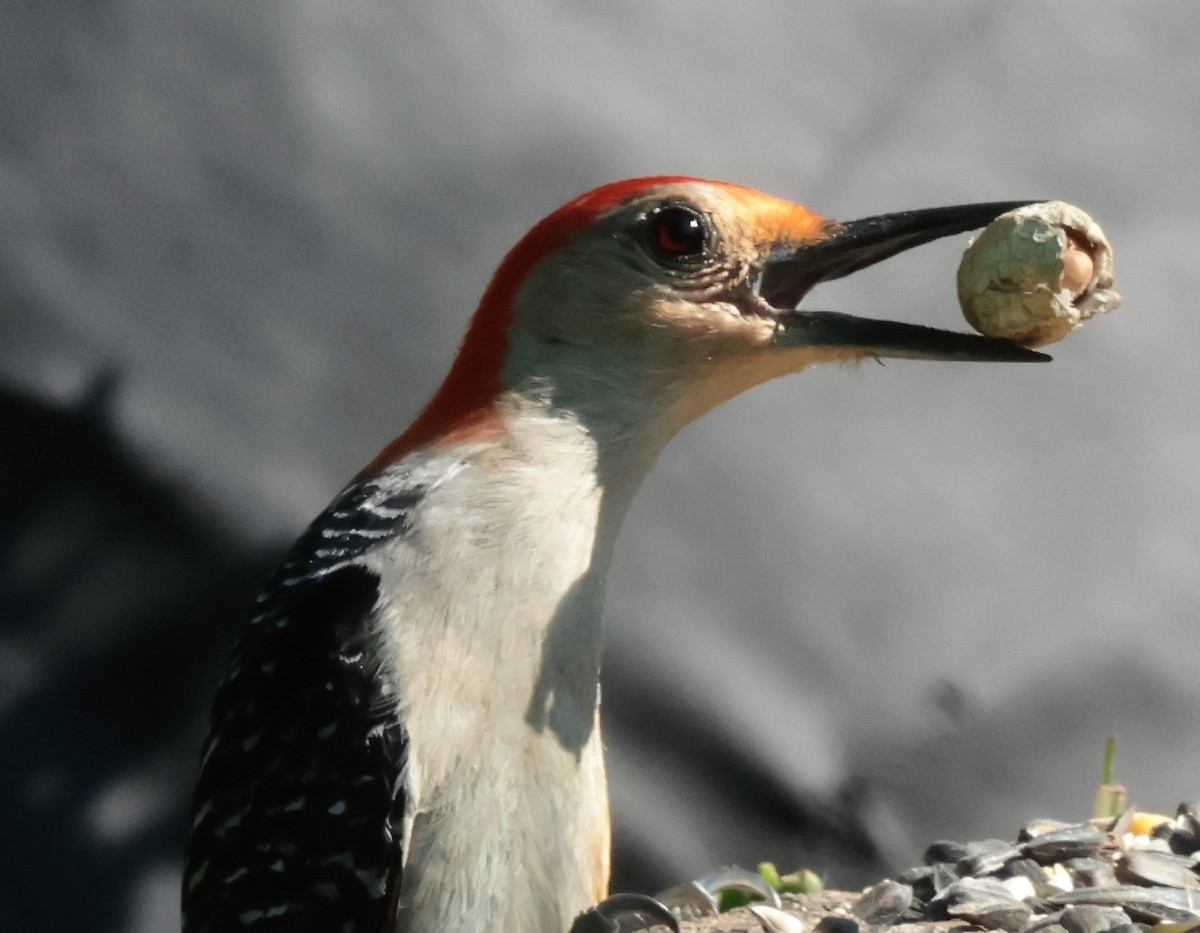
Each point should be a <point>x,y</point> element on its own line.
<point>297,810</point>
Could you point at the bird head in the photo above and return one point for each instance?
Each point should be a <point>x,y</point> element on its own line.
<point>668,295</point>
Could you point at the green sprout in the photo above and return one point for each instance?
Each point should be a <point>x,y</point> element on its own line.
<point>803,881</point>
<point>1110,798</point>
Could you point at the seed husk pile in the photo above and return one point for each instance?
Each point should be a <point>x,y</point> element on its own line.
<point>1134,873</point>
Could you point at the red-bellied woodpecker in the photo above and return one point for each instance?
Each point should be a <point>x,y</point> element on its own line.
<point>408,736</point>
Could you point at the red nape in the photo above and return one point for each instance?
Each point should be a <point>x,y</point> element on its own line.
<point>463,407</point>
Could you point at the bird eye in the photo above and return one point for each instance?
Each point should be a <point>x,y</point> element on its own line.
<point>678,233</point>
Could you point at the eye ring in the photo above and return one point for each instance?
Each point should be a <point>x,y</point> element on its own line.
<point>678,235</point>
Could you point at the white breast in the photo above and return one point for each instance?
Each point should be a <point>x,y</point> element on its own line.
<point>493,624</point>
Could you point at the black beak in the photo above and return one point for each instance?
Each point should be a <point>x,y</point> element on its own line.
<point>856,244</point>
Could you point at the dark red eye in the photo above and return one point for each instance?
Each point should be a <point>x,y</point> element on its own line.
<point>678,233</point>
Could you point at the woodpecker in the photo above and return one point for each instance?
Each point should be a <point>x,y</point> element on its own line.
<point>408,735</point>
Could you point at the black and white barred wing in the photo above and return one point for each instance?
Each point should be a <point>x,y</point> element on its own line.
<point>299,807</point>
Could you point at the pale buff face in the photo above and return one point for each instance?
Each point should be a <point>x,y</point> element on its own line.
<point>667,289</point>
<point>620,282</point>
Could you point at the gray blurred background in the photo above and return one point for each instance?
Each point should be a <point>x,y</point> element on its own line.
<point>853,611</point>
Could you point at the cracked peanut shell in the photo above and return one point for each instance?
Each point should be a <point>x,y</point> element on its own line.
<point>1035,274</point>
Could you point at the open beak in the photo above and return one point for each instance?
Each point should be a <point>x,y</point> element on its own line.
<point>856,244</point>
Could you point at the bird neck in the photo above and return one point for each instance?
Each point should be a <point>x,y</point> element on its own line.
<point>624,404</point>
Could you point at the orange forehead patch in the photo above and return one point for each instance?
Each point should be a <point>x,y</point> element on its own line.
<point>771,220</point>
